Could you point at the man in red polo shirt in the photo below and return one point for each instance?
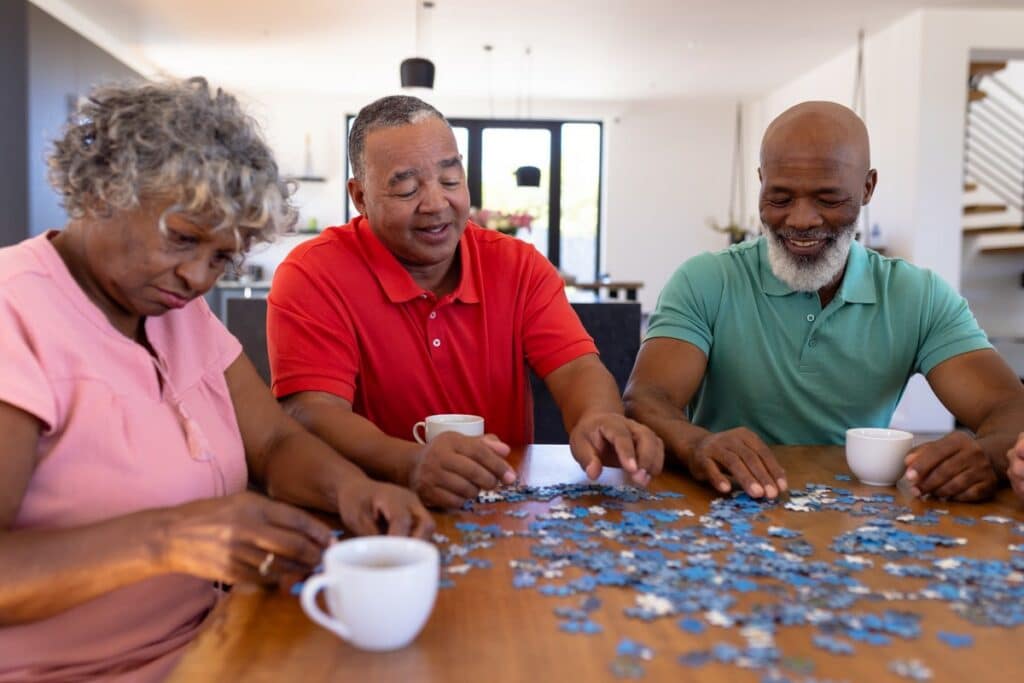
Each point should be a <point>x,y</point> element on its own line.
<point>408,311</point>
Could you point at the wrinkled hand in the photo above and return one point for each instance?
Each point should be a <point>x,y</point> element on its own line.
<point>372,507</point>
<point>1015,456</point>
<point>615,440</point>
<point>453,468</point>
<point>227,539</point>
<point>741,455</point>
<point>953,467</point>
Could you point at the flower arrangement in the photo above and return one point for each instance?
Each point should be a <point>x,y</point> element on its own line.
<point>505,222</point>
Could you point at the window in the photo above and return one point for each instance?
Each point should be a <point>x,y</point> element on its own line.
<point>566,208</point>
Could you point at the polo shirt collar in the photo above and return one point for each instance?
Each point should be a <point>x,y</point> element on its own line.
<point>396,281</point>
<point>770,285</point>
<point>858,286</point>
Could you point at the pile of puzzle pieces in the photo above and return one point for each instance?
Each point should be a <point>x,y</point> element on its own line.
<point>691,568</point>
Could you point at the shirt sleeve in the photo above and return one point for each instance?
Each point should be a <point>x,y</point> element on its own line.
<point>25,384</point>
<point>552,332</point>
<point>950,327</point>
<point>688,305</point>
<point>311,342</point>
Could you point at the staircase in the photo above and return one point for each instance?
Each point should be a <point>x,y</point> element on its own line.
<point>991,276</point>
<point>993,163</point>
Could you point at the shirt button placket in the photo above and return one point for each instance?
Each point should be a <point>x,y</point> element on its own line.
<point>435,340</point>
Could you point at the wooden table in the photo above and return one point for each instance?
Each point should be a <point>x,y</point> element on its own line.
<point>483,629</point>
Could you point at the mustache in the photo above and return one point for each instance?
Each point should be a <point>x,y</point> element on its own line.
<point>807,235</point>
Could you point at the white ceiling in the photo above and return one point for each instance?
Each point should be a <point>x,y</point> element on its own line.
<point>581,49</point>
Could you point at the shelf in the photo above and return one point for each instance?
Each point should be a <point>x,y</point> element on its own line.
<point>306,178</point>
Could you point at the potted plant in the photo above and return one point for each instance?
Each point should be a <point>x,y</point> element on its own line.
<point>737,233</point>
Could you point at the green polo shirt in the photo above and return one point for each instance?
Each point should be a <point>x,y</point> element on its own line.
<point>793,372</point>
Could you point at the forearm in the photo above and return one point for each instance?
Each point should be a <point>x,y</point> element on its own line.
<point>998,432</point>
<point>591,389</point>
<point>303,470</point>
<point>667,421</point>
<point>45,572</point>
<point>359,440</point>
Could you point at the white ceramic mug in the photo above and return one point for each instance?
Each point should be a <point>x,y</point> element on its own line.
<point>379,589</point>
<point>876,455</point>
<point>470,425</point>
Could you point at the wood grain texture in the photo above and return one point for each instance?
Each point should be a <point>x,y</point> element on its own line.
<point>483,629</point>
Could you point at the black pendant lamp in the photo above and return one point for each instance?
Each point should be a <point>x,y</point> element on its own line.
<point>418,72</point>
<point>528,176</point>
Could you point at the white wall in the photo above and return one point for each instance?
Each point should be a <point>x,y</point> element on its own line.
<point>891,67</point>
<point>667,168</point>
<point>916,98</point>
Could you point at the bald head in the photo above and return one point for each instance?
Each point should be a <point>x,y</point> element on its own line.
<point>815,177</point>
<point>822,131</point>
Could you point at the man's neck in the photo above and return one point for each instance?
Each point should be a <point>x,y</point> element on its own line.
<point>441,278</point>
<point>828,292</point>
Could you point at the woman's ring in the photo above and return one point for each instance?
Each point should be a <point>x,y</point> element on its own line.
<point>264,568</point>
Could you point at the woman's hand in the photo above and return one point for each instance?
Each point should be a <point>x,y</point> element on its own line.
<point>245,537</point>
<point>369,507</point>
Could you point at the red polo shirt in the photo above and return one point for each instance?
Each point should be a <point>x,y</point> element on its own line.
<point>346,318</point>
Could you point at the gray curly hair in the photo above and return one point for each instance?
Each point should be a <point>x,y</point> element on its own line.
<point>387,112</point>
<point>175,140</point>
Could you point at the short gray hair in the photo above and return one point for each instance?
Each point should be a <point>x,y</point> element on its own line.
<point>175,140</point>
<point>387,112</point>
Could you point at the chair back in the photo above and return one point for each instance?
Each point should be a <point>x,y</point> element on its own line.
<point>615,327</point>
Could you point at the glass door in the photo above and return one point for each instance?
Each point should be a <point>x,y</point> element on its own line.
<point>503,150</point>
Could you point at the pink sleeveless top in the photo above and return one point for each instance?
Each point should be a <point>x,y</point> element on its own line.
<point>114,442</point>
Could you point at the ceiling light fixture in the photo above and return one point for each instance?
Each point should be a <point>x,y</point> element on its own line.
<point>418,72</point>
<point>528,176</point>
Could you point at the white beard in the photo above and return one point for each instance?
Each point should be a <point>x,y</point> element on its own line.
<point>809,273</point>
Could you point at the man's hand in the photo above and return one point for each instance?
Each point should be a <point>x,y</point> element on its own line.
<point>614,439</point>
<point>453,468</point>
<point>1015,456</point>
<point>740,454</point>
<point>954,467</point>
<point>371,507</point>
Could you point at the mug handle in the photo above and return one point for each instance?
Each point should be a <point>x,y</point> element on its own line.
<point>416,433</point>
<point>314,585</point>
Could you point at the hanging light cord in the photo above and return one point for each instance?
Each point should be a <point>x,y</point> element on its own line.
<point>489,49</point>
<point>860,106</point>
<point>736,190</point>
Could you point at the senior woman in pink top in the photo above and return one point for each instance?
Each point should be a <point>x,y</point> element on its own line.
<point>131,419</point>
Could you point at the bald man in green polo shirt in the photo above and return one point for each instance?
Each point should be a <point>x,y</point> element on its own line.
<point>802,333</point>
